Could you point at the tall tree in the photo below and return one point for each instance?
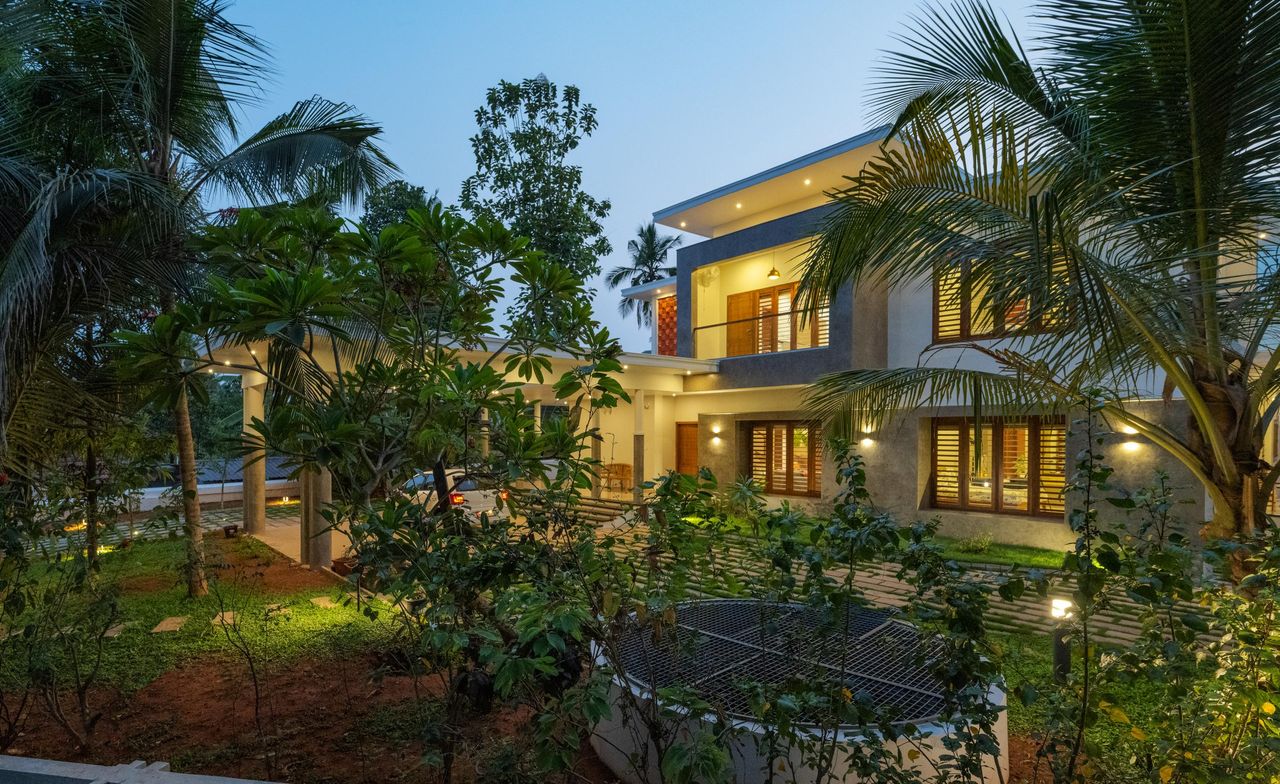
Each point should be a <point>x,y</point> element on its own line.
<point>525,134</point>
<point>1112,195</point>
<point>390,203</point>
<point>648,251</point>
<point>159,84</point>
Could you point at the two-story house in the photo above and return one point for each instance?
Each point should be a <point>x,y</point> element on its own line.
<point>732,357</point>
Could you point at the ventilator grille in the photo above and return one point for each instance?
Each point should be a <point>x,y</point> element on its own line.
<point>734,652</point>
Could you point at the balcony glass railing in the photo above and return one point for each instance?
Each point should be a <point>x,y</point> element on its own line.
<point>764,334</point>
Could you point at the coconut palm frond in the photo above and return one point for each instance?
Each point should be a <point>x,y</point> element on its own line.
<point>870,398</point>
<point>316,138</point>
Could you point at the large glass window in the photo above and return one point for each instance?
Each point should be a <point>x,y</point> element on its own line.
<point>785,457</point>
<point>1000,465</point>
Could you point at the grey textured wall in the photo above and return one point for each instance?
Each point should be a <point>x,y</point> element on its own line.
<point>898,475</point>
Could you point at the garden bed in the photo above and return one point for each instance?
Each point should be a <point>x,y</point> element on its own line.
<point>332,709</point>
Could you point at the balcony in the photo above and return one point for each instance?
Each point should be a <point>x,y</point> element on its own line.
<point>768,333</point>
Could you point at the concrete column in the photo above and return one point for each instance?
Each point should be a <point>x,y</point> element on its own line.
<point>254,482</point>
<point>537,416</point>
<point>306,479</point>
<point>637,448</point>
<point>483,440</point>
<point>597,455</point>
<point>321,542</point>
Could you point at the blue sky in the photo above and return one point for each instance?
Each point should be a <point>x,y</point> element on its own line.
<point>689,95</point>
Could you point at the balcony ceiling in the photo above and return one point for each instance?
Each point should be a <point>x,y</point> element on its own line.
<point>775,192</point>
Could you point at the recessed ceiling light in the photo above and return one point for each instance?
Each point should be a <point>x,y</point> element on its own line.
<point>808,181</point>
<point>253,352</point>
<point>624,367</point>
<point>682,224</point>
<point>226,362</point>
<point>738,205</point>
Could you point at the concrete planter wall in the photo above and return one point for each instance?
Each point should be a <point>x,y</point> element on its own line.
<point>22,770</point>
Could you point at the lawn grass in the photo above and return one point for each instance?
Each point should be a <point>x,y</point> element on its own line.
<point>960,550</point>
<point>151,588</point>
<point>965,551</point>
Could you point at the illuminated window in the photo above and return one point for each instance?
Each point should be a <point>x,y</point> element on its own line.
<point>1000,465</point>
<point>786,457</point>
<point>959,314</point>
<point>765,321</point>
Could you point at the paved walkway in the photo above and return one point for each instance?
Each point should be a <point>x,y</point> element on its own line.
<point>1029,614</point>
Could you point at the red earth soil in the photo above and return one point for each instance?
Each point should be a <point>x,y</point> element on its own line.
<point>200,716</point>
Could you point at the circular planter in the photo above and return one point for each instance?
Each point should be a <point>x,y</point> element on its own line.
<point>718,646</point>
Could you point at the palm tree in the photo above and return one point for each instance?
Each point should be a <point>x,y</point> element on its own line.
<point>648,263</point>
<point>160,83</point>
<point>1115,192</point>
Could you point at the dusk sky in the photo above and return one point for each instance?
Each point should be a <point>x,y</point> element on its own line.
<point>690,96</point>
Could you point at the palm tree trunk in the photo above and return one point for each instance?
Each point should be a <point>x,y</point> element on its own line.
<point>196,585</point>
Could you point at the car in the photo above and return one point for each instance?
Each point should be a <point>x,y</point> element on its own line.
<point>479,495</point>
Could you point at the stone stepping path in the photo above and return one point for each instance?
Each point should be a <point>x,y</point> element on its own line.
<point>225,618</point>
<point>324,602</point>
<point>171,624</point>
<point>117,630</point>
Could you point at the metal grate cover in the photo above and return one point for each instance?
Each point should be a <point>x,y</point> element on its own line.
<point>722,647</point>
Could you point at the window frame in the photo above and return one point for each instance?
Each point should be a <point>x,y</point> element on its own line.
<point>814,317</point>
<point>815,456</point>
<point>1035,426</point>
<point>1000,321</point>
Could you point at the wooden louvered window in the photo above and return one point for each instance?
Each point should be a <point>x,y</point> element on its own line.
<point>959,313</point>
<point>1016,466</point>
<point>785,457</point>
<point>766,321</point>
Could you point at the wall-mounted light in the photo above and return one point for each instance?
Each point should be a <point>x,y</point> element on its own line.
<point>866,442</point>
<point>1128,430</point>
<point>1130,446</point>
<point>774,274</point>
<point>715,429</point>
<point>1060,608</point>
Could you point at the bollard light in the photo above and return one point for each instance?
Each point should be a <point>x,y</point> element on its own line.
<point>1060,611</point>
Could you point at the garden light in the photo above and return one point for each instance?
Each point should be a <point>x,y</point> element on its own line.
<point>1060,610</point>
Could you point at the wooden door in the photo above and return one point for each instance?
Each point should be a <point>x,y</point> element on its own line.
<point>687,447</point>
<point>740,312</point>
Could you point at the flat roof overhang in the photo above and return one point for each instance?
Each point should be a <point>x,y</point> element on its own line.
<point>650,291</point>
<point>798,181</point>
<point>243,359</point>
